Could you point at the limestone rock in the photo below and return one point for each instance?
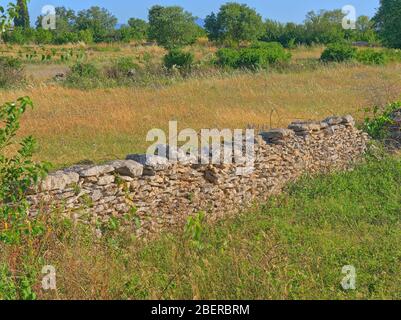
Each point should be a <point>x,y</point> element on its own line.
<point>96,171</point>
<point>127,168</point>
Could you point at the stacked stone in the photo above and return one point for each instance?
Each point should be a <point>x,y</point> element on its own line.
<point>164,192</point>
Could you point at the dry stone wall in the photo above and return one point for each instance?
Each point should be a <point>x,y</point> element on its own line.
<point>161,194</point>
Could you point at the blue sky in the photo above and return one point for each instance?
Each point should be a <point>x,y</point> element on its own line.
<point>282,10</point>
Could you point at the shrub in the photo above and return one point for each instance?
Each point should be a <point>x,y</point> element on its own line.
<point>338,52</point>
<point>18,36</point>
<point>86,70</point>
<point>370,56</point>
<point>273,51</point>
<point>66,37</point>
<point>258,55</point>
<point>376,126</point>
<point>43,36</point>
<point>253,59</point>
<point>84,75</point>
<point>17,174</point>
<point>11,72</point>
<point>85,36</point>
<point>227,57</point>
<point>122,68</point>
<point>393,55</point>
<point>177,58</point>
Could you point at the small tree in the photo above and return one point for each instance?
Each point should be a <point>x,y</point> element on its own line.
<point>17,174</point>
<point>172,27</point>
<point>234,22</point>
<point>139,28</point>
<point>22,19</point>
<point>99,20</point>
<point>388,22</point>
<point>7,14</point>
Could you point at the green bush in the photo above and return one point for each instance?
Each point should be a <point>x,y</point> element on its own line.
<point>179,59</point>
<point>84,75</point>
<point>43,36</point>
<point>12,72</point>
<point>227,57</point>
<point>253,59</point>
<point>393,55</point>
<point>370,56</point>
<point>273,51</point>
<point>338,52</point>
<point>258,55</point>
<point>66,37</point>
<point>376,125</point>
<point>86,70</point>
<point>122,68</point>
<point>19,35</point>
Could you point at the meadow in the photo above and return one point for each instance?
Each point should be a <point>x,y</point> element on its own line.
<point>98,124</point>
<point>292,247</point>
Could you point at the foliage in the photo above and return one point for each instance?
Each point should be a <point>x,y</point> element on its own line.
<point>98,20</point>
<point>376,125</point>
<point>227,57</point>
<point>139,28</point>
<point>12,72</point>
<point>84,75</point>
<point>234,23</point>
<point>194,230</point>
<point>325,26</point>
<point>388,22</point>
<point>122,68</point>
<point>321,27</point>
<point>250,58</point>
<point>179,59</point>
<point>370,56</point>
<point>258,55</point>
<point>274,51</point>
<point>172,27</point>
<point>338,52</point>
<point>7,14</point>
<point>17,174</point>
<point>22,19</point>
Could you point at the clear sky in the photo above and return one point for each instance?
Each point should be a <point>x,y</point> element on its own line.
<point>282,10</point>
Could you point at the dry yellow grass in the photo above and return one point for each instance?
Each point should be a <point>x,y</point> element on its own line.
<point>74,125</point>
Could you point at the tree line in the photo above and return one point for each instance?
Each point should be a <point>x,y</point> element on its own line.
<point>234,23</point>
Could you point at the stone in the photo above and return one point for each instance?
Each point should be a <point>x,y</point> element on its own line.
<point>96,195</point>
<point>59,181</point>
<point>276,133</point>
<point>332,121</point>
<point>348,119</point>
<point>153,162</point>
<point>96,171</point>
<point>105,180</point>
<point>165,193</point>
<point>128,168</point>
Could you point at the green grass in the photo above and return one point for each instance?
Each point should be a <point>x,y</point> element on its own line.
<point>293,247</point>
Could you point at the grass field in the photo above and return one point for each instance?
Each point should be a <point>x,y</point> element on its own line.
<point>293,247</point>
<point>74,125</point>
